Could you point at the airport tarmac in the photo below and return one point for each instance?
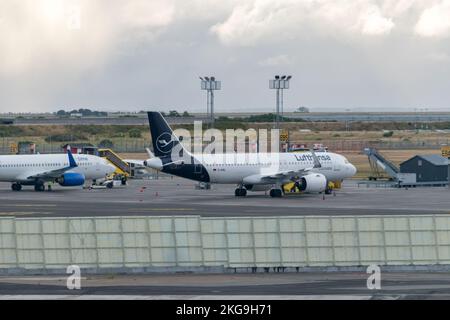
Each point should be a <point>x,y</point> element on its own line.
<point>179,197</point>
<point>338,285</point>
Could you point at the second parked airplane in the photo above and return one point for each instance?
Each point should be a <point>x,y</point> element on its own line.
<point>250,171</point>
<point>65,169</point>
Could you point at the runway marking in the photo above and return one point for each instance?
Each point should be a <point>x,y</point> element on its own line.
<point>162,209</point>
<point>22,213</point>
<point>33,205</point>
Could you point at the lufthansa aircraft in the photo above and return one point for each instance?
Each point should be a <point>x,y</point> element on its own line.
<point>65,169</point>
<point>250,171</point>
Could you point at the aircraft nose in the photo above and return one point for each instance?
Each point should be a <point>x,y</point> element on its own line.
<point>352,169</point>
<point>110,168</point>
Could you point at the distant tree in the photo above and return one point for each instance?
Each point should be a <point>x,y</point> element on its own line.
<point>173,113</point>
<point>302,109</point>
<point>135,133</point>
<point>106,143</point>
<point>186,114</point>
<point>61,113</point>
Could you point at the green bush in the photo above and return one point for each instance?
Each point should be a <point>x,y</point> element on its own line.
<point>388,134</point>
<point>65,137</point>
<point>135,133</point>
<point>106,143</point>
<point>11,131</point>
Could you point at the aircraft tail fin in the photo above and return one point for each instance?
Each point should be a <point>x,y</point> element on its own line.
<point>72,162</point>
<point>163,138</point>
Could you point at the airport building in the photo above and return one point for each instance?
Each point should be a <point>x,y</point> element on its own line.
<point>428,168</point>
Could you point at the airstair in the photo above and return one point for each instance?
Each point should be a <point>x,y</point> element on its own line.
<point>377,162</point>
<point>122,167</point>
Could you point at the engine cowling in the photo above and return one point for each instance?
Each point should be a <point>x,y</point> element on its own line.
<point>71,179</point>
<point>257,187</point>
<point>314,182</point>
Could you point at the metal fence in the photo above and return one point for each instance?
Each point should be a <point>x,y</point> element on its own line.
<point>122,145</point>
<point>192,241</point>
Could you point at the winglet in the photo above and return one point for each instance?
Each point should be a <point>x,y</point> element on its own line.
<point>72,162</point>
<point>316,160</point>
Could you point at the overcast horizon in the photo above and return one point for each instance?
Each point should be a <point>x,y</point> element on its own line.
<point>112,55</point>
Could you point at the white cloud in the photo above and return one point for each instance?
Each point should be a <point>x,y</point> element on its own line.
<point>435,21</point>
<point>280,60</point>
<point>147,14</point>
<point>266,20</point>
<point>78,34</point>
<point>373,22</point>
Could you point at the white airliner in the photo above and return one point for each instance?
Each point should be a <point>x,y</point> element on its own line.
<point>66,169</point>
<point>250,171</point>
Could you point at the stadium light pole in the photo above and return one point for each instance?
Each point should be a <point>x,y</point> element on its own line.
<point>210,84</point>
<point>279,84</point>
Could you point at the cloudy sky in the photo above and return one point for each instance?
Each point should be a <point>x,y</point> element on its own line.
<point>368,55</point>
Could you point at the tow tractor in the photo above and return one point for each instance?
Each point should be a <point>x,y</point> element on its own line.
<point>112,181</point>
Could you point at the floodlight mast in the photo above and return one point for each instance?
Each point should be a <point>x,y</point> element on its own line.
<point>279,84</point>
<point>210,84</point>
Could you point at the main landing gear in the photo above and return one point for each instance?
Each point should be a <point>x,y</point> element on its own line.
<point>39,187</point>
<point>276,193</point>
<point>240,192</point>
<point>16,186</point>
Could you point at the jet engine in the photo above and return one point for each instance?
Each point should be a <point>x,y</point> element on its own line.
<point>314,182</point>
<point>71,179</point>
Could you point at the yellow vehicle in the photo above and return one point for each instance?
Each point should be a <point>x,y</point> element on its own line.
<point>290,186</point>
<point>331,186</point>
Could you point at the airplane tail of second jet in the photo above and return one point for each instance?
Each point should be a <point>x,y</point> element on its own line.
<point>163,138</point>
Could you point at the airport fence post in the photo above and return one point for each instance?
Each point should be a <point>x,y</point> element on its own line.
<point>357,235</point>
<point>305,234</point>
<point>227,245</point>
<point>149,241</point>
<point>175,240</point>
<point>411,255</point>
<point>16,247</point>
<point>330,221</point>
<point>94,225</point>
<point>383,232</point>
<point>41,231</point>
<point>280,246</point>
<point>252,231</point>
<point>122,241</point>
<point>199,224</point>
<point>69,240</point>
<point>436,240</point>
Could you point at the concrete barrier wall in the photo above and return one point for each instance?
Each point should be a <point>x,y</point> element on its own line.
<point>192,241</point>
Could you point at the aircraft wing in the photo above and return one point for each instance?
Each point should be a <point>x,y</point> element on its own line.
<point>52,174</point>
<point>274,177</point>
<point>135,162</point>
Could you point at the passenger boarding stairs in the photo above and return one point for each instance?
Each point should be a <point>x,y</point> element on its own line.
<point>122,166</point>
<point>377,161</point>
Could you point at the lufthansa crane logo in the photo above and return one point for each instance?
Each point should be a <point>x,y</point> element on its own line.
<point>165,142</point>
